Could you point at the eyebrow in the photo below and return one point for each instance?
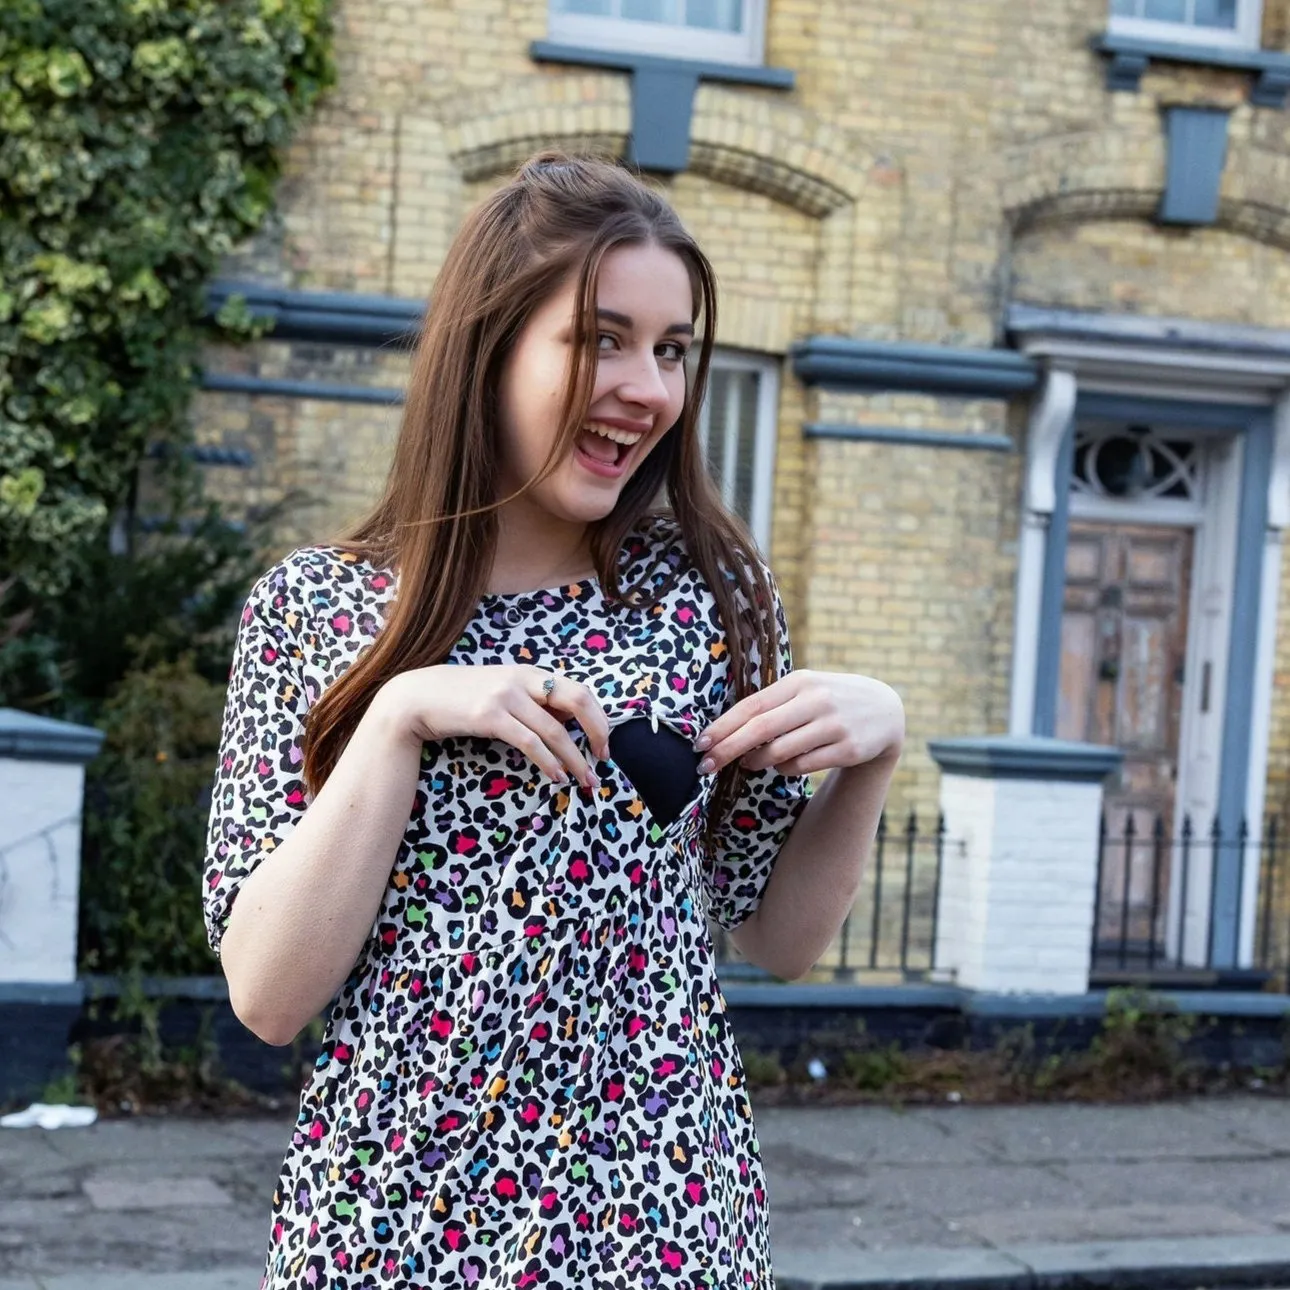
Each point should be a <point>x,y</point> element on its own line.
<point>622,320</point>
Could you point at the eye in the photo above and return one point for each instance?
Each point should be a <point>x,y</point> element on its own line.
<point>673,351</point>
<point>606,341</point>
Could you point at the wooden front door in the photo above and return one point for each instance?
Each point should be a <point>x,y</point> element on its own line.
<point>1124,644</point>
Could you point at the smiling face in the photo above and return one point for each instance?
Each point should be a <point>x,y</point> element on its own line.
<point>644,305</point>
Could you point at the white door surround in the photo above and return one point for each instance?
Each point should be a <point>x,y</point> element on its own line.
<point>1201,370</point>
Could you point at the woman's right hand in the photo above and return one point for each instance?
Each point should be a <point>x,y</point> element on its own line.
<point>499,702</point>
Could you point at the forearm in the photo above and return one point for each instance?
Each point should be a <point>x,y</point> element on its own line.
<point>302,917</point>
<point>818,871</point>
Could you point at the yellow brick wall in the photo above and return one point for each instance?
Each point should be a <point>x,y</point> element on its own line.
<point>936,160</point>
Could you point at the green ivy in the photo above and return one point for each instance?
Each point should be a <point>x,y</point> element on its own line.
<point>139,143</point>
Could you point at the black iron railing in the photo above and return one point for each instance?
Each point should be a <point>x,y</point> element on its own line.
<point>892,928</point>
<point>1178,904</point>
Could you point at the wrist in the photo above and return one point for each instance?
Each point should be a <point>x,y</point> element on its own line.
<point>389,717</point>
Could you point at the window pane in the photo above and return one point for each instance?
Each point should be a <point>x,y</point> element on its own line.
<point>718,401</point>
<point>744,468</point>
<point>1216,13</point>
<point>1125,9</point>
<point>649,10</point>
<point>715,15</point>
<point>600,8</point>
<point>1166,10</point>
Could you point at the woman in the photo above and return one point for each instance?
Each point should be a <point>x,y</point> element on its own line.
<point>527,1077</point>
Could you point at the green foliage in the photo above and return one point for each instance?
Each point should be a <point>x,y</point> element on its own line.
<point>145,825</point>
<point>139,143</point>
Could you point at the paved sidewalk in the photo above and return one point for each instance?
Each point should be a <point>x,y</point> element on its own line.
<point>1176,1195</point>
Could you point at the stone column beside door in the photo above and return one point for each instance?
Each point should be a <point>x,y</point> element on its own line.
<point>42,782</point>
<point>1019,873</point>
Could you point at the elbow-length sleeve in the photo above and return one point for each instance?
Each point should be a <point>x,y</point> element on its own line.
<point>748,839</point>
<point>259,792</point>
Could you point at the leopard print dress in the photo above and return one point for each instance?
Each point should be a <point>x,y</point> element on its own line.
<point>529,1078</point>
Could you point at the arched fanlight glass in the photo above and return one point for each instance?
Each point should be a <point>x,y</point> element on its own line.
<point>1134,462</point>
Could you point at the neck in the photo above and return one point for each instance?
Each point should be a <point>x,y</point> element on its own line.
<point>534,550</point>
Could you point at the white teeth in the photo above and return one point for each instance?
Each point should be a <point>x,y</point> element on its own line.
<point>612,433</point>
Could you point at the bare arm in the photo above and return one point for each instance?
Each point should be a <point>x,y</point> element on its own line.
<point>303,915</point>
<point>806,722</point>
<point>818,872</point>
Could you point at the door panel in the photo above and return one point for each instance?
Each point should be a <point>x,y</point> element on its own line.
<point>1124,640</point>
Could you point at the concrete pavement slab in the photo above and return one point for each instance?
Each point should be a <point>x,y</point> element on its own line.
<point>1261,1121</point>
<point>1068,1223</point>
<point>1084,1132</point>
<point>902,1270</point>
<point>871,1228</point>
<point>1244,1186</point>
<point>870,1135</point>
<point>246,1277</point>
<point>113,1192</point>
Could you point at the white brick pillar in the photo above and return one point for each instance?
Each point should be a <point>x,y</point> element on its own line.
<point>42,782</point>
<point>1019,870</point>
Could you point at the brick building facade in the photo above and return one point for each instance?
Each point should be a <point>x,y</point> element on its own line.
<point>1005,334</point>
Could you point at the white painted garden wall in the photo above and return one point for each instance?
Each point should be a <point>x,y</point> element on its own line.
<point>42,780</point>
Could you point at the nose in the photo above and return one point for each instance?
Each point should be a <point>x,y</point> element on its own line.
<point>644,385</point>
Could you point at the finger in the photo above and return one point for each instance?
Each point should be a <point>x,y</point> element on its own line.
<point>795,743</point>
<point>818,759</point>
<point>754,705</point>
<point>579,701</point>
<point>546,725</point>
<point>514,731</point>
<point>780,721</point>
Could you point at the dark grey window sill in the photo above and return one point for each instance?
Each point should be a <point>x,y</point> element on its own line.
<point>1130,56</point>
<point>662,95</point>
<point>621,60</point>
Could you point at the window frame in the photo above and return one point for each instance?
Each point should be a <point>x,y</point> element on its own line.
<point>765,435</point>
<point>1247,34</point>
<point>665,40</point>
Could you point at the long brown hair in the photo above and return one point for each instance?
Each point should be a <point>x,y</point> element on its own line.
<point>437,520</point>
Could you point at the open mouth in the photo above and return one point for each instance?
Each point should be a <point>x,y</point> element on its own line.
<point>606,449</point>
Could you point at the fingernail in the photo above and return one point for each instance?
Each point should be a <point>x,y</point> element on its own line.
<point>707,766</point>
<point>703,743</point>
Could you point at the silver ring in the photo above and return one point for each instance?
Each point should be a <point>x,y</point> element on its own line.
<point>547,686</point>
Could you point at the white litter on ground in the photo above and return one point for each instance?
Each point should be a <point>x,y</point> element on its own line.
<point>43,1115</point>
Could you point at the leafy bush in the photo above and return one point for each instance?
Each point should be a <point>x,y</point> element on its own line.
<point>139,143</point>
<point>147,798</point>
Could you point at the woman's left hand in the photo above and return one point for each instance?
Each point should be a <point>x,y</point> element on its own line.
<point>807,722</point>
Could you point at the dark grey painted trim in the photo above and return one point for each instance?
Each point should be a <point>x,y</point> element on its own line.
<point>205,454</point>
<point>1196,141</point>
<point>914,438</point>
<point>1222,418</point>
<point>1200,1003</point>
<point>330,317</point>
<point>32,738</point>
<point>1024,321</point>
<point>623,60</point>
<point>662,109</point>
<point>1234,768</point>
<point>43,993</point>
<point>842,363</point>
<point>157,987</point>
<point>1024,757</point>
<point>228,383</point>
<point>1049,656</point>
<point>797,994</point>
<point>662,95</point>
<point>1131,55</point>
